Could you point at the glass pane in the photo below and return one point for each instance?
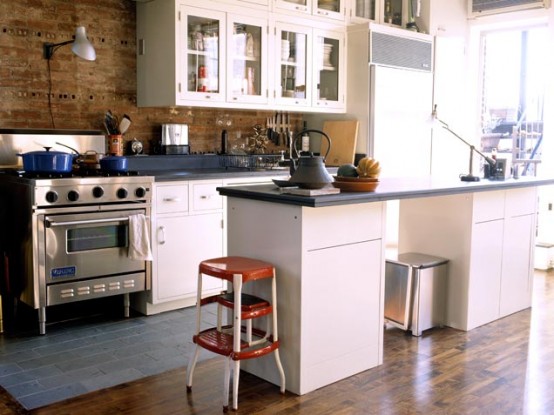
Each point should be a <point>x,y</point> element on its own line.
<point>327,59</point>
<point>365,9</point>
<point>514,80</point>
<point>203,54</point>
<point>247,55</point>
<point>331,5</point>
<point>393,12</point>
<point>98,237</point>
<point>293,64</point>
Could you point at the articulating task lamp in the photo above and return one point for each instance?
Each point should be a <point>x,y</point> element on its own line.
<point>435,122</point>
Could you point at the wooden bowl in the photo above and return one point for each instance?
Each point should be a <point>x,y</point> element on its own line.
<point>356,186</point>
<point>356,179</point>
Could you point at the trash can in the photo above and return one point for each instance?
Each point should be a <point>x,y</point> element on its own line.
<point>415,291</point>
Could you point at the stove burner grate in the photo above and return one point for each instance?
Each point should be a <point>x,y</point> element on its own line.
<point>75,173</point>
<point>104,173</point>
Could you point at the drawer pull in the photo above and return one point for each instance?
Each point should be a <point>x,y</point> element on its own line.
<point>161,232</point>
<point>206,197</point>
<point>171,199</point>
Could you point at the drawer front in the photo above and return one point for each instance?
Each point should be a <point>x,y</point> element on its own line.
<point>341,225</point>
<point>205,197</point>
<point>521,201</point>
<point>172,198</point>
<point>488,206</point>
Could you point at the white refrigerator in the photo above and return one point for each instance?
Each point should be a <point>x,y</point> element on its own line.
<point>400,105</point>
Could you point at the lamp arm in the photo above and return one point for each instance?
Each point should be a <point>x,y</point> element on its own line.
<point>489,160</point>
<point>50,48</point>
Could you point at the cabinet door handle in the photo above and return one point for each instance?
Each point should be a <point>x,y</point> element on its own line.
<point>161,230</point>
<point>301,8</point>
<point>206,197</point>
<point>171,199</point>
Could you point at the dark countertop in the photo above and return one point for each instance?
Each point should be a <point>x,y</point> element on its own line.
<point>207,174</point>
<point>388,189</point>
<point>198,167</point>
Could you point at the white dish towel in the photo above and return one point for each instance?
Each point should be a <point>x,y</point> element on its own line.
<point>139,241</point>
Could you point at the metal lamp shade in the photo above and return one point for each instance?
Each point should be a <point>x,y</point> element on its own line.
<point>81,46</point>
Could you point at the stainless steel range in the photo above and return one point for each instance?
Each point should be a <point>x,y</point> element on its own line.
<point>68,237</point>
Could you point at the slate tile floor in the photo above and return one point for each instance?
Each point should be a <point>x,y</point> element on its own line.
<point>86,350</point>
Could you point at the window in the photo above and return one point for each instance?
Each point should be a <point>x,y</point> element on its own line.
<point>513,65</point>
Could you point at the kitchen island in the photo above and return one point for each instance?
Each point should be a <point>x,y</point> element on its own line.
<point>329,252</point>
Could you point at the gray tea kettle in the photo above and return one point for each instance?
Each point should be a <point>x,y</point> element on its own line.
<point>309,172</point>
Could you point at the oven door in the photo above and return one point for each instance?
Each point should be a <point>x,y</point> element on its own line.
<point>87,245</point>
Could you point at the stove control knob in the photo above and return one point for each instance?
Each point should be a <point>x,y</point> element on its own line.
<point>140,192</point>
<point>73,196</point>
<point>97,192</point>
<point>122,193</point>
<point>51,196</point>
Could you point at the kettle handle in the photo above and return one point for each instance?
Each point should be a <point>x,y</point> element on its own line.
<point>301,133</point>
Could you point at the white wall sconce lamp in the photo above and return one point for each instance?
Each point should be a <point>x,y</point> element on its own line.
<point>81,46</point>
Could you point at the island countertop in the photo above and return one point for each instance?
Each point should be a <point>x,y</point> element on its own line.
<point>388,189</point>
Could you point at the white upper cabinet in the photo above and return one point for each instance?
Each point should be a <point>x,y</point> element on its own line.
<point>330,9</point>
<point>390,12</point>
<point>247,57</point>
<point>360,11</point>
<point>310,66</point>
<point>293,50</point>
<point>226,55</point>
<point>328,78</point>
<point>200,74</point>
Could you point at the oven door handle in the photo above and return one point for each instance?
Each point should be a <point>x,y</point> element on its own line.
<point>51,224</point>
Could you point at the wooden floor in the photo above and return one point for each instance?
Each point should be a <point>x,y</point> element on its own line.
<point>506,367</point>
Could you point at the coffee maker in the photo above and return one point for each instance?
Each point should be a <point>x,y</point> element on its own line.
<point>501,170</point>
<point>175,139</point>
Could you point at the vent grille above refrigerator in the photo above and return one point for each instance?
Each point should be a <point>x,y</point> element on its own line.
<point>402,52</point>
<point>484,7</point>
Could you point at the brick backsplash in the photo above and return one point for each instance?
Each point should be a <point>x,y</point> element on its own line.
<point>83,91</point>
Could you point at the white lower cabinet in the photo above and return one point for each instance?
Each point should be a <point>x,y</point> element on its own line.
<point>330,286</point>
<point>517,262</point>
<point>187,227</point>
<point>485,272</point>
<point>180,243</point>
<point>488,238</point>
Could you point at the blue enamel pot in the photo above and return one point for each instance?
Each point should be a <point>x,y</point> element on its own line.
<point>114,163</point>
<point>47,161</point>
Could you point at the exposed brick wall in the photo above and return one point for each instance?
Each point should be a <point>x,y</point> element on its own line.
<point>83,91</point>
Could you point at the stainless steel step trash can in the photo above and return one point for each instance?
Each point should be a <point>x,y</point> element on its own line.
<point>415,291</point>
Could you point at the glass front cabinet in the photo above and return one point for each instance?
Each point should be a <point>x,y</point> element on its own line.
<point>391,12</point>
<point>293,48</point>
<point>204,56</point>
<point>310,67</point>
<point>330,9</point>
<point>247,59</point>
<point>328,79</point>
<point>202,38</point>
